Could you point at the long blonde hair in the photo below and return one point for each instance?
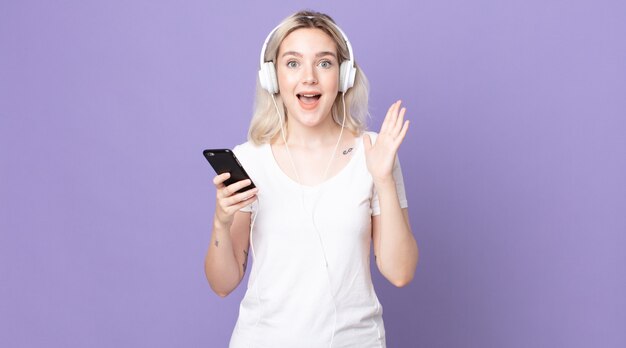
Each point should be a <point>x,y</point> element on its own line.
<point>265,124</point>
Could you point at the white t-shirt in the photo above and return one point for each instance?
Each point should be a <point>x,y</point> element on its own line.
<point>293,300</point>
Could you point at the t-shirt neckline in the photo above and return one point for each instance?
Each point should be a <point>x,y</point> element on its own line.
<point>357,152</point>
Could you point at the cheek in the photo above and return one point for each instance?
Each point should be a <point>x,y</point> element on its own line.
<point>331,80</point>
<point>285,79</point>
<point>335,83</point>
<point>286,87</point>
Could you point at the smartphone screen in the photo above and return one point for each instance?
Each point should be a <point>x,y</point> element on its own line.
<point>223,161</point>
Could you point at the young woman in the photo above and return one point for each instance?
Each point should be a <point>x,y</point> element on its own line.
<point>325,191</point>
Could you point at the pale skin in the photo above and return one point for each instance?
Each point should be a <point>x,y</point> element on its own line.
<point>307,64</point>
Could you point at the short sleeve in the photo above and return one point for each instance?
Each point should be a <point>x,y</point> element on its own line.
<point>248,208</point>
<point>397,177</point>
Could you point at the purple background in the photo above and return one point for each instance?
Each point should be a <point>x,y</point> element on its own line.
<point>515,166</point>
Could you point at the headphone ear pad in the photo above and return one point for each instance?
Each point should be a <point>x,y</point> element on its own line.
<point>347,74</point>
<point>273,77</point>
<point>267,77</point>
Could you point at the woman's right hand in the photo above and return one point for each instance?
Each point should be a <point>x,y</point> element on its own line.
<point>228,201</point>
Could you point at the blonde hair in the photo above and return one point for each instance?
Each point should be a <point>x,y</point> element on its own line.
<point>265,124</point>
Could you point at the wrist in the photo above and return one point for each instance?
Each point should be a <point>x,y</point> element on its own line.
<point>220,226</point>
<point>384,182</point>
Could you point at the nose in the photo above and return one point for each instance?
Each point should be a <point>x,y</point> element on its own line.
<point>310,76</point>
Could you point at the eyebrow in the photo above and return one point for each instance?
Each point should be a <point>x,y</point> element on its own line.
<point>317,55</point>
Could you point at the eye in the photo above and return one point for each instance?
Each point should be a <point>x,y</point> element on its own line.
<point>325,64</point>
<point>292,64</point>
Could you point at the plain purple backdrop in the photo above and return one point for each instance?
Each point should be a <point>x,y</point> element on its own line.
<point>515,166</point>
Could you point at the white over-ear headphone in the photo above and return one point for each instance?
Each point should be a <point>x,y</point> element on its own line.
<point>267,71</point>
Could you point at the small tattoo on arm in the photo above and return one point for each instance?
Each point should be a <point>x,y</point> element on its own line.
<point>245,261</point>
<point>345,152</point>
<point>217,242</point>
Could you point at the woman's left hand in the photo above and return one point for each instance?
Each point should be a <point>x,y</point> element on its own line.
<point>380,157</point>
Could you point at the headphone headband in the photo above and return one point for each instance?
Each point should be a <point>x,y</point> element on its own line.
<point>267,71</point>
<point>269,36</point>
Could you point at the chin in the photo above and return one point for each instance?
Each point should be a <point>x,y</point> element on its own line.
<point>309,120</point>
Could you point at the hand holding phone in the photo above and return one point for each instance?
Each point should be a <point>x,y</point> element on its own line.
<point>225,161</point>
<point>227,201</point>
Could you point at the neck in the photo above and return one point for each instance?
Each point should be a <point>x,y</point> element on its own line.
<point>314,138</point>
<point>322,135</point>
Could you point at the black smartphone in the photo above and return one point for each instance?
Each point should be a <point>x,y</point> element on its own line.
<point>224,160</point>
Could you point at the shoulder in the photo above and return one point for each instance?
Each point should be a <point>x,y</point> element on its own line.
<point>248,151</point>
<point>248,147</point>
<point>372,135</point>
<point>254,158</point>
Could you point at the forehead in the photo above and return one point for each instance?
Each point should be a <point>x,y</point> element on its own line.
<point>307,40</point>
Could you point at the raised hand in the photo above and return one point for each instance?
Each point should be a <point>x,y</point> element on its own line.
<point>381,156</point>
<point>228,201</point>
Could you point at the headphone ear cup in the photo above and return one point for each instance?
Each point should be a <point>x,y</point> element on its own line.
<point>273,78</point>
<point>267,77</point>
<point>347,73</point>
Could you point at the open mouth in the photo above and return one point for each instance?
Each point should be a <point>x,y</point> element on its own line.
<point>309,98</point>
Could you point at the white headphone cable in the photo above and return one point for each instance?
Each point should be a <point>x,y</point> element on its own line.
<point>330,288</point>
<point>313,208</point>
<point>293,166</point>
<point>258,273</point>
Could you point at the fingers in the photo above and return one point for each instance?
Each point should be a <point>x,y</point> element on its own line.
<point>233,188</point>
<point>403,131</point>
<point>228,200</point>
<point>235,208</point>
<point>232,203</point>
<point>394,119</point>
<point>219,179</point>
<point>390,118</point>
<point>399,122</point>
<point>240,200</point>
<point>394,124</point>
<point>229,190</point>
<point>228,194</point>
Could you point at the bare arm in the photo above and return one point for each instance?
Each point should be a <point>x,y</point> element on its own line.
<point>394,245</point>
<point>227,255</point>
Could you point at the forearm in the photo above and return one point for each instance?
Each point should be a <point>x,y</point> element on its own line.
<point>221,266</point>
<point>397,252</point>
